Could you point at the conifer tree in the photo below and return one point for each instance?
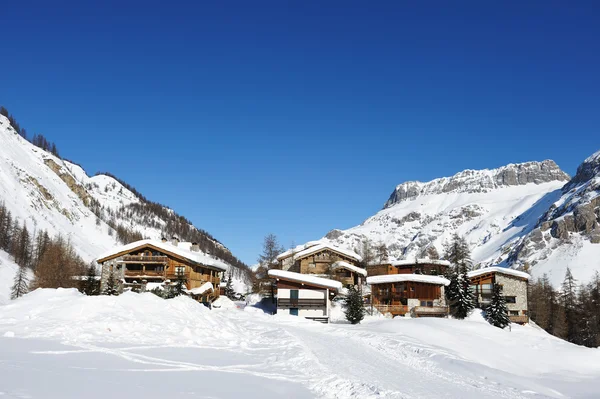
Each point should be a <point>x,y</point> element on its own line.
<point>355,310</point>
<point>568,298</point>
<point>91,284</point>
<point>229,292</point>
<point>459,295</point>
<point>111,285</point>
<point>21,284</point>
<point>496,313</point>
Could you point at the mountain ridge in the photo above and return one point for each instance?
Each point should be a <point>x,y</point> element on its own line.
<point>528,215</point>
<point>94,213</point>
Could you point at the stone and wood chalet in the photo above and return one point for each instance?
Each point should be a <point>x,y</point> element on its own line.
<point>419,295</point>
<point>304,295</point>
<point>324,260</point>
<point>145,264</point>
<point>514,289</point>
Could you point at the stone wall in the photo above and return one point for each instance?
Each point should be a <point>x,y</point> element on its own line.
<point>516,287</point>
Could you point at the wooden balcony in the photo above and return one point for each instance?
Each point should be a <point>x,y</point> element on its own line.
<point>430,311</point>
<point>144,259</point>
<point>286,303</point>
<point>519,319</point>
<point>142,273</point>
<point>395,310</point>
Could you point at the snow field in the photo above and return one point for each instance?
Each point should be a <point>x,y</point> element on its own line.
<point>121,343</point>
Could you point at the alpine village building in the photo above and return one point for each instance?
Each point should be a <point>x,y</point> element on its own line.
<point>309,276</point>
<point>146,264</point>
<point>514,289</point>
<point>414,287</point>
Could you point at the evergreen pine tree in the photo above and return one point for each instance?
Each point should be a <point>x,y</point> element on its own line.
<point>459,295</point>
<point>568,300</point>
<point>355,310</point>
<point>91,284</point>
<point>111,285</point>
<point>496,313</point>
<point>21,284</point>
<point>229,292</point>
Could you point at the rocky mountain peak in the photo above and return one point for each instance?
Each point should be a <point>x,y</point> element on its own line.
<point>473,181</point>
<point>588,169</point>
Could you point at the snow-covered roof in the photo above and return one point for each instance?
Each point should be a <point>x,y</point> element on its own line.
<point>202,289</point>
<point>417,261</point>
<point>319,247</point>
<point>297,249</point>
<point>306,279</point>
<point>496,269</point>
<point>397,278</point>
<point>183,249</point>
<point>345,265</point>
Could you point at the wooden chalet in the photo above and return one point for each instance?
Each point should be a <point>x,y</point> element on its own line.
<point>151,263</point>
<point>304,295</point>
<point>416,294</point>
<point>434,267</point>
<point>514,289</point>
<point>324,260</point>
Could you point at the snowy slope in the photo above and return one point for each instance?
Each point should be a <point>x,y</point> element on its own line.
<point>520,215</point>
<point>8,270</point>
<point>152,348</point>
<point>568,233</point>
<point>58,196</point>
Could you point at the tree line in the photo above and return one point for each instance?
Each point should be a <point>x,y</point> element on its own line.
<point>37,140</point>
<point>571,313</point>
<point>52,260</point>
<point>145,213</point>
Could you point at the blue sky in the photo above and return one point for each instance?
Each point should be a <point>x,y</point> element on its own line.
<point>300,117</point>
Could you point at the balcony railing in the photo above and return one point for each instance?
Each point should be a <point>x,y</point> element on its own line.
<point>148,273</point>
<point>430,310</point>
<point>393,309</point>
<point>300,303</point>
<point>145,259</point>
<point>519,319</point>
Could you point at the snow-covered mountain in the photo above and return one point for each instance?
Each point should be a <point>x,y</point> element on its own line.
<point>520,215</point>
<point>92,212</point>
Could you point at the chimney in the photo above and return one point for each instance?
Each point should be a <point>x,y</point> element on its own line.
<point>164,239</point>
<point>174,241</point>
<point>195,247</point>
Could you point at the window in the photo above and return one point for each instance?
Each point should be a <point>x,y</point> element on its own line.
<point>510,299</point>
<point>293,294</point>
<point>179,269</point>
<point>427,303</point>
<point>514,313</point>
<point>293,311</point>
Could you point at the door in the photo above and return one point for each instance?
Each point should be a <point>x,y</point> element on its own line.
<point>293,311</point>
<point>294,299</point>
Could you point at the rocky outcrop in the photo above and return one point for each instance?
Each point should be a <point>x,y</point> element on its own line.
<point>78,189</point>
<point>473,181</point>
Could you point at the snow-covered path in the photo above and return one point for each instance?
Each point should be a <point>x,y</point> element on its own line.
<point>59,344</point>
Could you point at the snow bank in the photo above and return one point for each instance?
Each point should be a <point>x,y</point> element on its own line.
<point>129,340</point>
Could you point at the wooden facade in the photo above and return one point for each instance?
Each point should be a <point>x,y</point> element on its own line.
<point>395,298</point>
<point>320,263</point>
<point>150,264</point>
<point>433,269</point>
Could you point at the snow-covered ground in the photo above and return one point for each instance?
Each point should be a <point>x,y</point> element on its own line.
<point>61,344</point>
